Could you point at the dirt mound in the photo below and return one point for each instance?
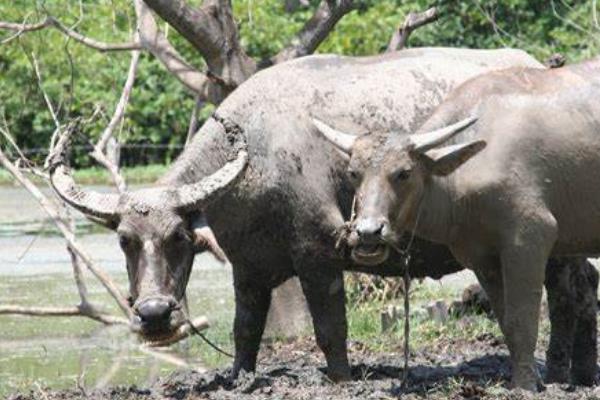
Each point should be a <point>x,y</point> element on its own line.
<point>476,369</point>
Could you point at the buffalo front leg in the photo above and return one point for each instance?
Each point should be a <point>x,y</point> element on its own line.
<point>523,266</point>
<point>252,302</point>
<point>323,287</point>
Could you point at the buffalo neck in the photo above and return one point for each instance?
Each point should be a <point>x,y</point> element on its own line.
<point>434,219</point>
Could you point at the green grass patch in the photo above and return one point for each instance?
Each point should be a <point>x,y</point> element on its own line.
<point>99,176</point>
<point>365,324</point>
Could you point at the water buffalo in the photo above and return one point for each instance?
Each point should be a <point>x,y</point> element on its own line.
<point>281,219</point>
<point>517,180</point>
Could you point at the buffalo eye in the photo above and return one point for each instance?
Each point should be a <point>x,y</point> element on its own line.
<point>353,175</point>
<point>401,175</point>
<point>124,241</point>
<point>180,237</point>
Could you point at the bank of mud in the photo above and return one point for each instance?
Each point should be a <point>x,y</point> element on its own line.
<point>456,369</point>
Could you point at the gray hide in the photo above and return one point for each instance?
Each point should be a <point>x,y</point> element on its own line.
<point>534,191</point>
<point>282,219</point>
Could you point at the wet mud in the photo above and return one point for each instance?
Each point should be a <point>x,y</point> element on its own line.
<point>458,369</point>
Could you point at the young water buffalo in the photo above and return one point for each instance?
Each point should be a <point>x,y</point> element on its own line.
<point>517,180</point>
<point>279,221</point>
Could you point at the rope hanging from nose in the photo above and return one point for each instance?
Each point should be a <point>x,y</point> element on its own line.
<point>208,342</point>
<point>407,280</point>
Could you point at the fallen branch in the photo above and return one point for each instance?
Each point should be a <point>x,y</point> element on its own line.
<point>171,359</point>
<point>74,311</point>
<point>413,21</point>
<point>64,229</point>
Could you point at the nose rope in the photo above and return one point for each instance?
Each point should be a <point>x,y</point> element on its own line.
<point>195,331</point>
<point>406,279</point>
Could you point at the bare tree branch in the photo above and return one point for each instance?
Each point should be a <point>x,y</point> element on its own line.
<point>64,229</point>
<point>157,44</point>
<point>75,311</point>
<point>51,22</point>
<point>194,121</point>
<point>316,29</point>
<point>413,21</point>
<point>212,30</point>
<point>99,152</point>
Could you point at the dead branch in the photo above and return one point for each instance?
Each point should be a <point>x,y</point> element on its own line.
<point>75,311</point>
<point>171,359</point>
<point>51,22</point>
<point>185,330</point>
<point>194,121</point>
<point>413,21</point>
<point>157,44</point>
<point>212,30</point>
<point>99,152</point>
<point>316,29</point>
<point>51,209</point>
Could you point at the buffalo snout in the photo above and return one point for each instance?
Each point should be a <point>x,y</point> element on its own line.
<point>371,230</point>
<point>157,315</point>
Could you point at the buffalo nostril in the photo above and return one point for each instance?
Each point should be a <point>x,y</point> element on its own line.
<point>369,228</point>
<point>154,311</point>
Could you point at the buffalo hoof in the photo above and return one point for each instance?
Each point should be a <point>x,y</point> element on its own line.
<point>584,377</point>
<point>339,375</point>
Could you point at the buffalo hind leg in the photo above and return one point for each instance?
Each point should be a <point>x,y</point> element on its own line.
<point>252,302</point>
<point>563,320</point>
<point>323,287</point>
<point>584,282</point>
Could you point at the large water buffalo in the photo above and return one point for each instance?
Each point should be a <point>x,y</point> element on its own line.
<point>283,216</point>
<point>506,172</point>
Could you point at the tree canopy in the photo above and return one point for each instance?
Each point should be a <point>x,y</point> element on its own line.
<point>81,81</point>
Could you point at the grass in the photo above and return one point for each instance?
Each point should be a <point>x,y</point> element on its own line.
<point>365,325</point>
<point>99,176</point>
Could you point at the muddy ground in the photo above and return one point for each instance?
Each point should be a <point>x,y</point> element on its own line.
<point>458,369</point>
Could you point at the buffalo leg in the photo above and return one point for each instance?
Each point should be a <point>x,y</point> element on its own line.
<point>492,283</point>
<point>252,302</point>
<point>585,287</point>
<point>323,287</point>
<point>523,263</point>
<point>563,320</point>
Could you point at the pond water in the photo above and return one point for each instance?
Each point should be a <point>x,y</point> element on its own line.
<point>35,270</point>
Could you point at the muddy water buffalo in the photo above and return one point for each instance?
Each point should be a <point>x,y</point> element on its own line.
<point>515,180</point>
<point>281,219</point>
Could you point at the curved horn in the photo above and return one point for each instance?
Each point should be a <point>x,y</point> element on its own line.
<point>93,204</point>
<point>425,141</point>
<point>343,141</point>
<point>195,195</point>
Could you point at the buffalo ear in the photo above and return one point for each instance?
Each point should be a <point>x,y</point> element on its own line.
<point>204,240</point>
<point>445,160</point>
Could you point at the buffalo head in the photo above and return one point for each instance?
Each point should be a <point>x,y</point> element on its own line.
<point>159,230</point>
<point>389,173</point>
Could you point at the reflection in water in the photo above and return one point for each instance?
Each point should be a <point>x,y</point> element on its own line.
<point>71,352</point>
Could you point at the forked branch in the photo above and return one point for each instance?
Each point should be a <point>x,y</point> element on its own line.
<point>316,29</point>
<point>413,21</point>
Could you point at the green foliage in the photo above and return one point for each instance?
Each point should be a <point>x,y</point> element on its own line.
<point>79,80</point>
